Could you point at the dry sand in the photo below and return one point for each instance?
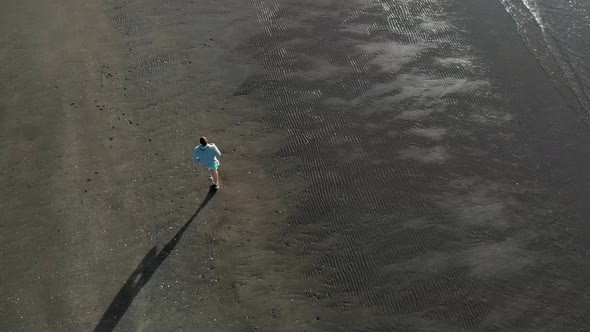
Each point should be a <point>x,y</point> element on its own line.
<point>98,126</point>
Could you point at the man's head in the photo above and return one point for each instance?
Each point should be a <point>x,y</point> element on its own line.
<point>203,141</point>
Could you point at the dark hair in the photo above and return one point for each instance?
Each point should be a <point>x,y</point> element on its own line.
<point>203,140</point>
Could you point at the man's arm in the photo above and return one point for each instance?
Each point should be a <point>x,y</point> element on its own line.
<point>196,155</point>
<point>217,152</point>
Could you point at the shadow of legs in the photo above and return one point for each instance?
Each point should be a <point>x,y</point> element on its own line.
<point>142,274</point>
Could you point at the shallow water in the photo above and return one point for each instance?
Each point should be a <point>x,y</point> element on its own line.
<point>558,33</point>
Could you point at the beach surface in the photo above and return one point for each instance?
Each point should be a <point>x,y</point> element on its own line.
<point>387,166</point>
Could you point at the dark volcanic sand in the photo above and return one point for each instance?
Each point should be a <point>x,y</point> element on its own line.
<point>388,165</point>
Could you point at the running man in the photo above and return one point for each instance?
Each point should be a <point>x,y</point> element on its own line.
<point>207,154</point>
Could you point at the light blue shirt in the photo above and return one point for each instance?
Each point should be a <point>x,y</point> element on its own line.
<point>207,155</point>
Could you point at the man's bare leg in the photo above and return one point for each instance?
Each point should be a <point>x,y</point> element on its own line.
<point>215,176</point>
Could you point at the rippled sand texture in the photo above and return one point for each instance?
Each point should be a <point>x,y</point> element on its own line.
<point>427,207</point>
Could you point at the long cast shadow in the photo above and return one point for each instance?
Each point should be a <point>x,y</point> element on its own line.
<point>142,274</point>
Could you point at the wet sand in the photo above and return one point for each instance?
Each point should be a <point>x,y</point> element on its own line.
<point>387,166</point>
